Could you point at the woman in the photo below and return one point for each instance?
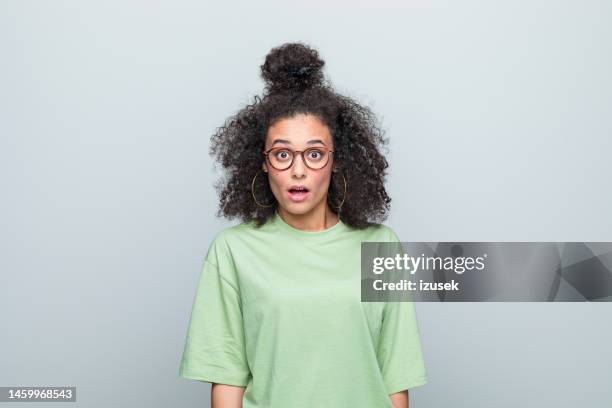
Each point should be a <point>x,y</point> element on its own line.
<point>277,320</point>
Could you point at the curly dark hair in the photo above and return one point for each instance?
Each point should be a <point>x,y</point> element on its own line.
<point>295,85</point>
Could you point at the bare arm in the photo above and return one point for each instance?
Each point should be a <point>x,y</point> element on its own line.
<point>226,396</point>
<point>400,399</point>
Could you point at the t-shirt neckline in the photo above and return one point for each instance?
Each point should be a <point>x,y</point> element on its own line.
<point>334,229</point>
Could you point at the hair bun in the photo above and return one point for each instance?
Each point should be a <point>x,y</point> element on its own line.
<point>292,66</point>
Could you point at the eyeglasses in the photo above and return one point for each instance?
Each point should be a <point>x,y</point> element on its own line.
<point>281,158</point>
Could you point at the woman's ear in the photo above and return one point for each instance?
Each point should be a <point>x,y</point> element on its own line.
<point>264,167</point>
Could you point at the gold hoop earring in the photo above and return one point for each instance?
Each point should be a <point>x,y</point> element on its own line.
<point>343,195</point>
<point>253,192</point>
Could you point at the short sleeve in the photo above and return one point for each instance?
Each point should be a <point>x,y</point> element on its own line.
<point>215,348</point>
<point>399,350</point>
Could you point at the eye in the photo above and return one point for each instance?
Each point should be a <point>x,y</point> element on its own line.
<point>282,154</point>
<point>315,154</point>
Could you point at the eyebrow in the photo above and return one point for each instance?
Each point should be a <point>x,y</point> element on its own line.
<point>313,141</point>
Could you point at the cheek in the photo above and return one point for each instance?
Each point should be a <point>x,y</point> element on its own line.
<point>322,180</point>
<point>276,180</point>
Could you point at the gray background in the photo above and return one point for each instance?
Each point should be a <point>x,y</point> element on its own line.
<point>498,114</point>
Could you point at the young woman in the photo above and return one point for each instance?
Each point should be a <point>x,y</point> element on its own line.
<point>277,320</point>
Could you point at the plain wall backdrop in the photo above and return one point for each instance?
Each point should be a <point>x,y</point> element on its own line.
<point>498,113</point>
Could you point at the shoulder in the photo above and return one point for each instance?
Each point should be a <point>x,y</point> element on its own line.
<point>229,238</point>
<point>225,246</point>
<point>241,231</point>
<point>380,233</point>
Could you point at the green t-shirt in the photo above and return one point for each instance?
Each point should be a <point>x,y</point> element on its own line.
<point>278,311</point>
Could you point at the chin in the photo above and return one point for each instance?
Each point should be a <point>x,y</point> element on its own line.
<point>297,208</point>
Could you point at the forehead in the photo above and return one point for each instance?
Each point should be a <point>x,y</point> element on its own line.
<point>297,131</point>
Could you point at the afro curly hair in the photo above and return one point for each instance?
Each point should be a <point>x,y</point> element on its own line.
<point>295,85</point>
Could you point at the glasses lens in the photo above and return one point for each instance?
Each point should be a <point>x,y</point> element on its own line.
<point>316,158</point>
<point>280,158</point>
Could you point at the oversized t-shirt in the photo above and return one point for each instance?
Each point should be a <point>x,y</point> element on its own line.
<point>278,310</point>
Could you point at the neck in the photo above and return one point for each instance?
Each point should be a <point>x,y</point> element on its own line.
<point>319,218</point>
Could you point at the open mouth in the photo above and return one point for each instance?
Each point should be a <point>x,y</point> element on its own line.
<point>297,193</point>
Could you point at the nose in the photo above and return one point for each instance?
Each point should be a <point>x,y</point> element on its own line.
<point>298,168</point>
